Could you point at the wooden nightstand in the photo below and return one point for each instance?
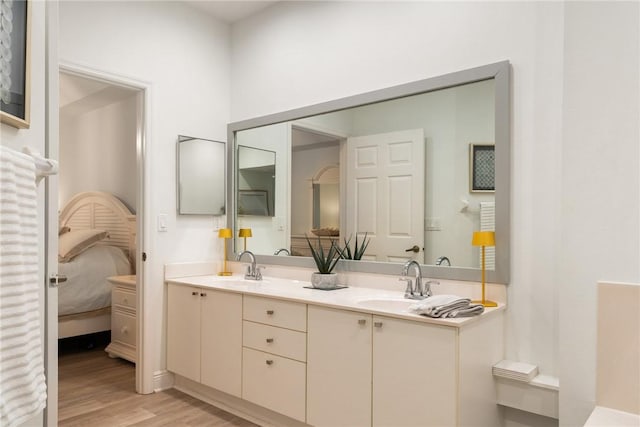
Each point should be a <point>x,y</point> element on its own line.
<point>123,318</point>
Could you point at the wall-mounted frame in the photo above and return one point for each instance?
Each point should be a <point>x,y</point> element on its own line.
<point>15,89</point>
<point>253,202</point>
<point>482,167</point>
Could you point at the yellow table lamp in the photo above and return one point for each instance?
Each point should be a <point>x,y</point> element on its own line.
<point>225,233</point>
<point>244,233</point>
<point>484,238</point>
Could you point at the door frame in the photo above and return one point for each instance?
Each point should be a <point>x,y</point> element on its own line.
<point>144,365</point>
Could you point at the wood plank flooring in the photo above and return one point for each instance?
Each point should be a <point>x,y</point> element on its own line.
<point>97,391</point>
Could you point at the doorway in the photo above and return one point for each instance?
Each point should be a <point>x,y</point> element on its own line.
<point>101,150</point>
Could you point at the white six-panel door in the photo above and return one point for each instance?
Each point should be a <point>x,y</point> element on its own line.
<point>385,183</point>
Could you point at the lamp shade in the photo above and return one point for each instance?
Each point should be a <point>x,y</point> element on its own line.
<point>484,238</point>
<point>225,233</point>
<point>244,232</point>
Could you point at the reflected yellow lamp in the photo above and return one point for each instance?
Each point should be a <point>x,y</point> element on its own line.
<point>225,233</point>
<point>244,233</point>
<point>484,238</point>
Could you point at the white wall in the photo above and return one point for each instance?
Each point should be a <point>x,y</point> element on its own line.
<point>183,55</point>
<point>296,54</point>
<point>600,235</point>
<point>98,152</point>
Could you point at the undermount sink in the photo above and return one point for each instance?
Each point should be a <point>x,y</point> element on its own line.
<point>386,304</point>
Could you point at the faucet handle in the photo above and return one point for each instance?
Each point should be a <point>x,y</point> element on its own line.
<point>259,272</point>
<point>427,287</point>
<point>408,292</point>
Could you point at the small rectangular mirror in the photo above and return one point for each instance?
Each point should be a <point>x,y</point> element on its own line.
<point>256,181</point>
<point>201,176</point>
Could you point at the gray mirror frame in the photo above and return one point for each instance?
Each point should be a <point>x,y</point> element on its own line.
<point>501,72</point>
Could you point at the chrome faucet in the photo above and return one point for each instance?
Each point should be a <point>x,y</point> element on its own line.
<point>443,260</point>
<point>253,272</point>
<point>285,250</point>
<point>420,291</point>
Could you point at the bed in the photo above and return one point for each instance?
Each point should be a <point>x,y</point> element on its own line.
<point>107,229</point>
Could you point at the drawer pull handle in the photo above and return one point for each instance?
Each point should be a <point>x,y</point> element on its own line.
<point>194,293</point>
<point>270,312</point>
<point>126,301</point>
<point>377,324</point>
<point>362,322</point>
<point>204,294</point>
<point>269,362</point>
<point>124,330</point>
<point>269,340</point>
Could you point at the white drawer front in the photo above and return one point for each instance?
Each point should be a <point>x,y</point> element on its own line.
<point>285,314</point>
<point>124,298</point>
<point>123,328</point>
<point>274,382</point>
<point>283,342</point>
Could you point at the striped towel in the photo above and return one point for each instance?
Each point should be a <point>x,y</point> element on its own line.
<point>446,306</point>
<point>22,381</point>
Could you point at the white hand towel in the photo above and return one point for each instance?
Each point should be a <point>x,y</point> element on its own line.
<point>22,382</point>
<point>446,306</point>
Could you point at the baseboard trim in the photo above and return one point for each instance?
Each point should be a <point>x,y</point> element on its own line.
<point>162,380</point>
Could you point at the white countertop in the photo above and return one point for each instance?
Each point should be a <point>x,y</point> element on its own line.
<point>347,298</point>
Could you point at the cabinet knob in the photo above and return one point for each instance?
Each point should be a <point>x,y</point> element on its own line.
<point>270,312</point>
<point>203,294</point>
<point>269,340</point>
<point>377,324</point>
<point>269,362</point>
<point>194,293</point>
<point>124,330</point>
<point>362,322</point>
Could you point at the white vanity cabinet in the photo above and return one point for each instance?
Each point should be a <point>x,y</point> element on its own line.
<point>274,355</point>
<point>338,368</point>
<point>367,370</point>
<point>204,336</point>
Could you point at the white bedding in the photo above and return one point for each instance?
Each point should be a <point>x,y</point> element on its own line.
<point>87,287</point>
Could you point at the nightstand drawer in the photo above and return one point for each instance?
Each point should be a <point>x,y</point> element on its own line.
<point>284,314</point>
<point>123,328</point>
<point>283,342</point>
<point>123,298</point>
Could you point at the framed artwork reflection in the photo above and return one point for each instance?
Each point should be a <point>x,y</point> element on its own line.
<point>15,46</point>
<point>482,167</point>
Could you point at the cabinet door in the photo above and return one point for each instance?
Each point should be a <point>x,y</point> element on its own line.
<point>275,382</point>
<point>183,331</point>
<point>221,332</point>
<point>338,368</point>
<point>414,373</point>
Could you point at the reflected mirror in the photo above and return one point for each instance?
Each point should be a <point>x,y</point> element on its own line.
<point>256,181</point>
<point>417,167</point>
<point>201,176</point>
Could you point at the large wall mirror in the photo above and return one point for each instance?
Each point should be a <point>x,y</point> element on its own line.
<point>201,176</point>
<point>417,168</point>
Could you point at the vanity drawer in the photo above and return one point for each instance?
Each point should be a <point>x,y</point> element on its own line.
<point>123,298</point>
<point>284,314</point>
<point>123,328</point>
<point>283,342</point>
<point>274,382</point>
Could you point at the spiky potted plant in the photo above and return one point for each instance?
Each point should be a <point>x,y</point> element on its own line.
<point>324,278</point>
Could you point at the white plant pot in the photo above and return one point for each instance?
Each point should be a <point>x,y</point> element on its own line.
<point>324,281</point>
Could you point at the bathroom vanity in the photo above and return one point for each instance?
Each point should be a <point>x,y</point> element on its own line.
<point>277,353</point>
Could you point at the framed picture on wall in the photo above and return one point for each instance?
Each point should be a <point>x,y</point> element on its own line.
<point>253,202</point>
<point>15,35</point>
<point>482,167</point>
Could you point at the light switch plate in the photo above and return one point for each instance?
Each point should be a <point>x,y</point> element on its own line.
<point>162,222</point>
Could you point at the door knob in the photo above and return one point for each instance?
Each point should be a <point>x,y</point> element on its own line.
<point>414,248</point>
<point>56,279</point>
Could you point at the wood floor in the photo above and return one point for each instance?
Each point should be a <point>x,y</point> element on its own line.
<point>95,390</point>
